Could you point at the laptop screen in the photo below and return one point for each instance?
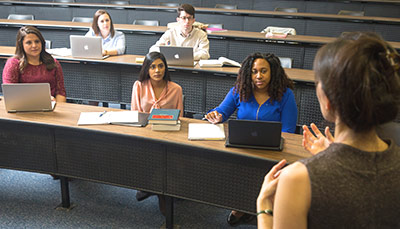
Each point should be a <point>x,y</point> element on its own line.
<point>179,56</point>
<point>27,97</point>
<point>255,134</point>
<point>86,47</point>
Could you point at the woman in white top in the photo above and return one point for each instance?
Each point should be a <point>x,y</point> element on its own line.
<point>113,41</point>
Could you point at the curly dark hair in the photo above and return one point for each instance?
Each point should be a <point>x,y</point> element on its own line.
<point>279,80</point>
<point>20,54</point>
<point>150,58</point>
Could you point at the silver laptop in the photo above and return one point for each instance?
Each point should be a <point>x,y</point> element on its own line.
<point>27,97</point>
<point>178,56</point>
<point>86,47</point>
<point>255,134</point>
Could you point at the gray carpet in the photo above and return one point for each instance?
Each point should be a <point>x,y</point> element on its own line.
<point>28,200</point>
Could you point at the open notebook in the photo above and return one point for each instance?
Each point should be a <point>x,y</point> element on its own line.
<point>27,97</point>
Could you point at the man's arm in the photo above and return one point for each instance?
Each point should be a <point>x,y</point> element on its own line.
<point>202,51</point>
<point>165,39</point>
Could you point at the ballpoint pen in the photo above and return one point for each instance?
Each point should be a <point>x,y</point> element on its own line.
<point>102,113</point>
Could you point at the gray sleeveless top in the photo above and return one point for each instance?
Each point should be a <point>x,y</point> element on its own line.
<point>351,188</point>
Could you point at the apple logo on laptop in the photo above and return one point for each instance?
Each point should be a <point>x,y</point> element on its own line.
<point>254,134</point>
<point>86,47</point>
<point>176,56</point>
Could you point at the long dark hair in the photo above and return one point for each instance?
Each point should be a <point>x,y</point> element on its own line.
<point>279,80</point>
<point>361,80</point>
<point>20,54</point>
<point>95,25</point>
<point>150,58</point>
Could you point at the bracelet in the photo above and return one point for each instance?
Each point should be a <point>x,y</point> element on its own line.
<point>266,211</point>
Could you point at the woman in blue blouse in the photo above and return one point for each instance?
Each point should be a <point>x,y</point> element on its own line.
<point>113,41</point>
<point>262,91</point>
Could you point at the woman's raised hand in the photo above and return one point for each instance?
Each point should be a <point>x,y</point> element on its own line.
<point>318,142</point>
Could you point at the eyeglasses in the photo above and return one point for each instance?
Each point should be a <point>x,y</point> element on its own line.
<point>186,18</point>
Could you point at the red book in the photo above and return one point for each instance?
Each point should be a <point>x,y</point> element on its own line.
<point>164,116</point>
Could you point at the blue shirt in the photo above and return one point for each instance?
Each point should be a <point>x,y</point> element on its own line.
<point>284,111</point>
<point>109,43</point>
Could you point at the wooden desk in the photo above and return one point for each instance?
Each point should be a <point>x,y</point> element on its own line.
<point>235,45</point>
<point>260,16</point>
<point>138,158</point>
<point>111,80</point>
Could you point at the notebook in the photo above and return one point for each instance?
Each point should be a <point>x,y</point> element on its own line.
<point>255,134</point>
<point>142,120</point>
<point>178,56</point>
<point>86,47</point>
<point>27,97</point>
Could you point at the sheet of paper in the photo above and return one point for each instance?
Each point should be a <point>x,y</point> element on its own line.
<point>93,118</point>
<point>206,131</point>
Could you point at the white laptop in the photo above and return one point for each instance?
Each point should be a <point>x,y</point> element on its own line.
<point>86,47</point>
<point>27,97</point>
<point>178,56</point>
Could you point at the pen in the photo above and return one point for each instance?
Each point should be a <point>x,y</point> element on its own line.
<point>102,113</point>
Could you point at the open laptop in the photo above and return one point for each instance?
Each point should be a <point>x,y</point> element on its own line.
<point>86,47</point>
<point>27,97</point>
<point>178,56</point>
<point>254,134</point>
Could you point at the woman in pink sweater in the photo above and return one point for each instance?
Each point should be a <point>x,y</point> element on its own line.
<point>154,89</point>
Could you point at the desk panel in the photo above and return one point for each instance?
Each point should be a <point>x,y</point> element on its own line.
<point>217,178</point>
<point>238,51</point>
<point>92,81</point>
<point>111,158</point>
<point>26,146</point>
<point>335,28</point>
<point>140,43</point>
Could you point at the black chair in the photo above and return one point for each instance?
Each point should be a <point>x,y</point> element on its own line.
<point>21,17</point>
<point>82,19</point>
<point>351,13</point>
<point>286,62</point>
<point>48,44</point>
<point>228,7</point>
<point>121,3</point>
<point>287,10</point>
<point>146,22</point>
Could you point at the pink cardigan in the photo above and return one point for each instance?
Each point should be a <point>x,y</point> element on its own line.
<point>143,97</point>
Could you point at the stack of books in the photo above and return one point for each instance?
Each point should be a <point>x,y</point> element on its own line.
<point>165,120</point>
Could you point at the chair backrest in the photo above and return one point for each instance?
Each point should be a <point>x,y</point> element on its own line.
<point>228,7</point>
<point>82,19</point>
<point>21,17</point>
<point>351,13</point>
<point>146,22</point>
<point>48,44</point>
<point>286,62</point>
<point>173,4</point>
<point>219,26</point>
<point>287,10</point>
<point>64,1</point>
<point>119,2</point>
